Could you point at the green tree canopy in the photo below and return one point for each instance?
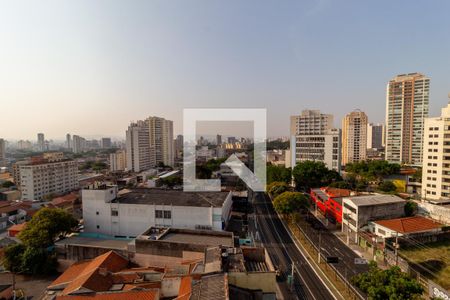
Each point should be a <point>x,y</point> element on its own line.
<point>312,174</point>
<point>278,173</point>
<point>387,186</point>
<point>276,188</point>
<point>45,226</point>
<point>7,184</point>
<point>410,208</point>
<point>340,185</point>
<point>387,284</point>
<point>289,202</point>
<point>373,169</point>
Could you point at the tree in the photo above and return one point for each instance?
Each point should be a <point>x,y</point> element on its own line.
<point>387,284</point>
<point>277,188</point>
<point>45,226</point>
<point>310,174</point>
<point>278,173</point>
<point>289,202</point>
<point>372,170</point>
<point>387,186</point>
<point>12,259</point>
<point>340,185</point>
<point>7,184</point>
<point>410,208</point>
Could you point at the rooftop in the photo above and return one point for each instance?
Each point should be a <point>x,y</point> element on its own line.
<point>128,295</point>
<point>114,244</point>
<point>189,236</point>
<point>173,197</point>
<point>375,199</point>
<point>410,224</point>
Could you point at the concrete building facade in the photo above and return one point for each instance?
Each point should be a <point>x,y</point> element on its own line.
<point>47,175</point>
<point>375,136</point>
<point>436,157</point>
<point>354,137</point>
<point>406,109</point>
<point>314,138</point>
<point>357,211</point>
<point>118,161</point>
<point>130,214</point>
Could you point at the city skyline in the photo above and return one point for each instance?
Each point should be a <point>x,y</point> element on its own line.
<point>91,69</point>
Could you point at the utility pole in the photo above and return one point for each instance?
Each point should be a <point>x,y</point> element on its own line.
<point>292,276</point>
<point>396,248</point>
<point>348,232</point>
<point>320,241</point>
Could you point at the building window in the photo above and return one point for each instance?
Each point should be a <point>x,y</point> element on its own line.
<point>97,213</point>
<point>167,214</point>
<point>114,212</point>
<point>158,214</point>
<point>98,226</point>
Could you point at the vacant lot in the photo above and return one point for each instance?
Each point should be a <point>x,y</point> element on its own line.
<point>433,260</point>
<point>32,286</point>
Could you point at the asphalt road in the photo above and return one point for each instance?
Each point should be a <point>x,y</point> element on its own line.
<point>331,245</point>
<point>284,252</point>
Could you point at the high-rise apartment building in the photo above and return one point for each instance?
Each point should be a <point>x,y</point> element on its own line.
<point>219,140</point>
<point>436,157</point>
<point>178,146</point>
<point>47,174</point>
<point>41,141</point>
<point>406,108</point>
<point>106,143</point>
<point>118,161</point>
<point>314,138</point>
<point>68,141</point>
<point>375,136</point>
<point>354,137</point>
<point>2,150</point>
<point>149,143</point>
<point>138,147</point>
<point>78,144</point>
<point>161,140</point>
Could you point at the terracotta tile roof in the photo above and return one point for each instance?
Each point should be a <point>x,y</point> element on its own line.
<point>69,198</point>
<point>70,274</point>
<point>129,295</point>
<point>18,227</point>
<point>92,275</point>
<point>9,208</point>
<point>410,224</point>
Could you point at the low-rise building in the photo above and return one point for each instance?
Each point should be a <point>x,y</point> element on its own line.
<point>359,210</point>
<point>329,202</point>
<point>405,227</point>
<point>132,212</point>
<point>11,213</point>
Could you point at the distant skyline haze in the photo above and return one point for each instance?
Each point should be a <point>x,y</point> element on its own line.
<point>90,68</point>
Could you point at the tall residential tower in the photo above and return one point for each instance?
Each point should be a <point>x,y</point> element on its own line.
<point>406,108</point>
<point>354,137</point>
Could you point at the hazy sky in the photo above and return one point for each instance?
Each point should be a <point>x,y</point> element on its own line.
<point>90,67</point>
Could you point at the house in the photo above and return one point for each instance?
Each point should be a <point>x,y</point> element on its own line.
<point>11,213</point>
<point>131,212</point>
<point>405,227</point>
<point>329,202</point>
<point>359,210</point>
<point>111,276</point>
<point>68,202</point>
<point>16,229</point>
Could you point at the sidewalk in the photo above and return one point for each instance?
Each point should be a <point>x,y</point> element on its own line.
<point>360,251</point>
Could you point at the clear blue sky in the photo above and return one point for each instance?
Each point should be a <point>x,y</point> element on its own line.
<point>90,67</point>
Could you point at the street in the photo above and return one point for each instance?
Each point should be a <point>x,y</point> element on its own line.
<point>283,252</point>
<point>331,245</point>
